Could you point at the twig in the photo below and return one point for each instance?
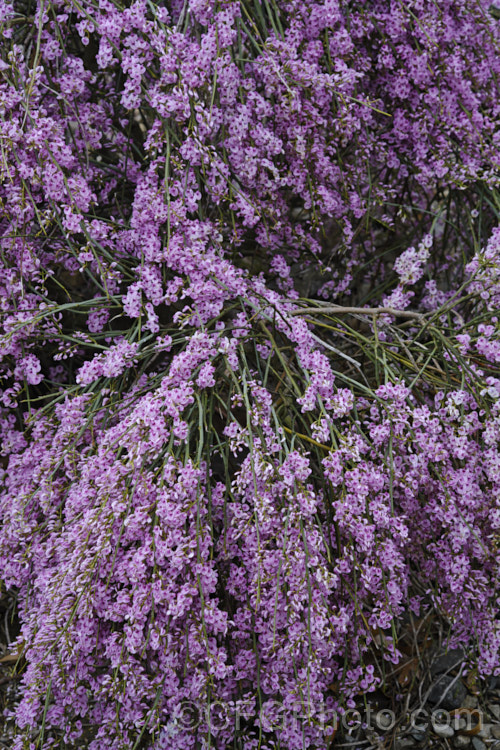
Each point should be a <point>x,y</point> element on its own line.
<point>337,351</point>
<point>339,310</point>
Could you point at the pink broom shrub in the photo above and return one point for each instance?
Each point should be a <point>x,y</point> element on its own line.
<point>250,412</point>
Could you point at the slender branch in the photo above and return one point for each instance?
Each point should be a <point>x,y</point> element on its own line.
<point>339,310</point>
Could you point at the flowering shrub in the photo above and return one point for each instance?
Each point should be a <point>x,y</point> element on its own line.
<point>226,478</point>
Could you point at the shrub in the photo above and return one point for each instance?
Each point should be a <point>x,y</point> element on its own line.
<point>250,412</point>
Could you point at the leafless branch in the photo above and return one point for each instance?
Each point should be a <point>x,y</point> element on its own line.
<point>339,310</point>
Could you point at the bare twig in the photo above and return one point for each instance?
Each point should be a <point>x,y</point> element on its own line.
<point>337,351</point>
<point>339,310</point>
